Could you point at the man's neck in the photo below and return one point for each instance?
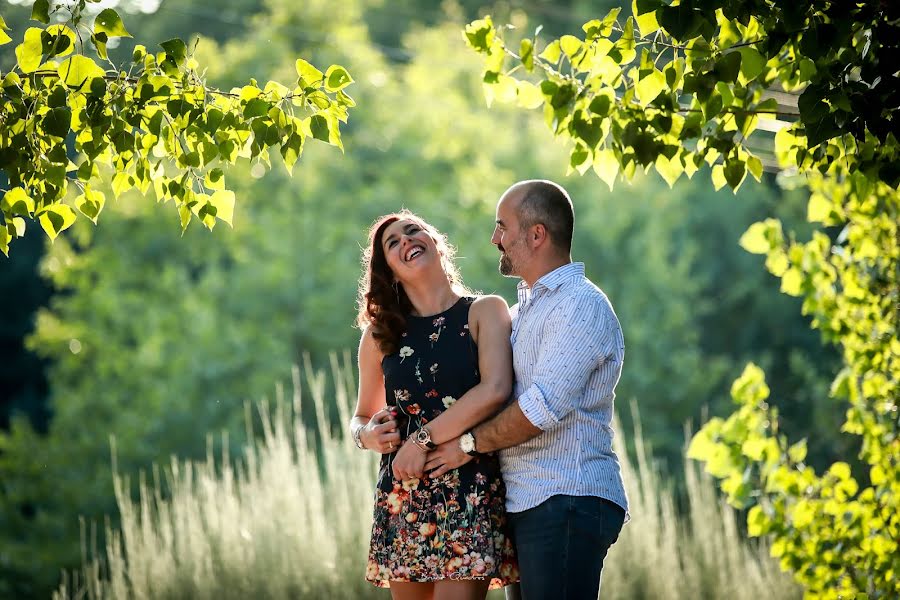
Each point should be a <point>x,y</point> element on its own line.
<point>543,268</point>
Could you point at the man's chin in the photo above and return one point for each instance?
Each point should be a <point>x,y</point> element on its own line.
<point>506,269</point>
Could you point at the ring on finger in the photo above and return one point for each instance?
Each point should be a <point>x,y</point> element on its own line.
<point>391,445</point>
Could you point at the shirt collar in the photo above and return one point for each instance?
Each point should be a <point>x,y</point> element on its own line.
<point>551,280</point>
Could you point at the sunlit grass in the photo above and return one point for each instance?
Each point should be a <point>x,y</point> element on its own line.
<point>292,519</point>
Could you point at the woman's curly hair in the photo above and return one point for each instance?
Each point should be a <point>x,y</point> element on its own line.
<point>384,305</point>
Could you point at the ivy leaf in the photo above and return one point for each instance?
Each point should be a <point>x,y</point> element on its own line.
<point>75,71</point>
<point>56,219</point>
<point>337,78</point>
<point>108,22</point>
<point>40,11</point>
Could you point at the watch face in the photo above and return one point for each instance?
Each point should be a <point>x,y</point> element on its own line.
<point>467,442</point>
<point>422,435</point>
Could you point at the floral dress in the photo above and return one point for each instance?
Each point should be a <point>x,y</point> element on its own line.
<point>452,527</point>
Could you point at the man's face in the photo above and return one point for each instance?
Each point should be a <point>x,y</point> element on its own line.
<point>510,238</point>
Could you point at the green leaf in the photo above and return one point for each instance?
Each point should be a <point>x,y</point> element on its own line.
<point>755,166</point>
<point>291,150</point>
<point>18,202</point>
<point>526,54</point>
<point>735,171</point>
<point>109,23</point>
<point>757,239</point>
<point>337,78</point>
<point>56,218</point>
<point>308,74</point>
<point>552,52</point>
<point>792,282</point>
<point>29,52</point>
<point>479,34</point>
<point>223,201</point>
<point>752,62</point>
<point>176,50</point>
<point>648,88</point>
<point>718,177</point>
<point>40,11</point>
<point>77,70</point>
<point>757,523</point>
<point>670,170</point>
<point>570,45</point>
<point>646,21</point>
<point>606,166</point>
<point>797,452</point>
<point>90,203</point>
<point>58,121</point>
<point>529,95</point>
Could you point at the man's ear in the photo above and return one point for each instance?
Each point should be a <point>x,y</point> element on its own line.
<point>537,235</point>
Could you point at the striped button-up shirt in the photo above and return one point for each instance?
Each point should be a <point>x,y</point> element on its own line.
<point>567,355</point>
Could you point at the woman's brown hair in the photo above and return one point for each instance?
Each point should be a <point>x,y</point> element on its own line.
<point>383,303</point>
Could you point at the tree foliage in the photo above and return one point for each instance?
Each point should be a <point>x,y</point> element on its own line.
<point>677,85</point>
<point>154,122</point>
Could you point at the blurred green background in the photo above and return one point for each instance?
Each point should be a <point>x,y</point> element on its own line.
<point>134,331</point>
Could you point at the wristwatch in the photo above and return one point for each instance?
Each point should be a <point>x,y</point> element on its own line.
<point>422,438</point>
<point>467,443</point>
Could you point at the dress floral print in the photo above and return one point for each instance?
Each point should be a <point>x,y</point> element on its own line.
<point>452,527</point>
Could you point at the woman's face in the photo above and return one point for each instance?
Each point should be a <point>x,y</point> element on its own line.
<point>408,249</point>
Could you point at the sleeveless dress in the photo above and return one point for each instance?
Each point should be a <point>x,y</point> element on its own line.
<point>452,527</point>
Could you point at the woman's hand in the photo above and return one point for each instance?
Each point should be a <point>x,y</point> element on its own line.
<point>445,457</point>
<point>409,463</point>
<point>380,433</point>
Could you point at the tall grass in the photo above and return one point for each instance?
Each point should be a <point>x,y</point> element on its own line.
<point>292,519</point>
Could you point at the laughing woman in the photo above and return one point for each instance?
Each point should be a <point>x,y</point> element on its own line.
<point>434,361</point>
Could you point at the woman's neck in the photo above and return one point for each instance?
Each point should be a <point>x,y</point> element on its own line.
<point>430,298</point>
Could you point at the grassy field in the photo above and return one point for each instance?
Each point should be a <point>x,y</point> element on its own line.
<point>292,519</point>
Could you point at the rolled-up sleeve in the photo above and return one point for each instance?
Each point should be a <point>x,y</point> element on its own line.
<point>579,335</point>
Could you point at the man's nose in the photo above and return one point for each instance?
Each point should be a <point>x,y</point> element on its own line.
<point>495,237</point>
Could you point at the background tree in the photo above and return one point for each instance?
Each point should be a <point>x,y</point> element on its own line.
<point>616,96</point>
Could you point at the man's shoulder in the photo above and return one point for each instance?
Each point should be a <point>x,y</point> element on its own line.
<point>583,293</point>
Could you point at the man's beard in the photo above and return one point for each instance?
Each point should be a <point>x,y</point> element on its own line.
<point>506,266</point>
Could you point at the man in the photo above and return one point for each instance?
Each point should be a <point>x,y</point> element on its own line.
<point>565,498</point>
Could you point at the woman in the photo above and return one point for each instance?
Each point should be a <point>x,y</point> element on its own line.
<point>434,361</point>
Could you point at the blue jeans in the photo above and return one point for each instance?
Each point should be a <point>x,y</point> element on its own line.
<point>561,544</point>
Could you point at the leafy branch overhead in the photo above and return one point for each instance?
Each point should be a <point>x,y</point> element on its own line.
<point>678,85</point>
<point>153,121</point>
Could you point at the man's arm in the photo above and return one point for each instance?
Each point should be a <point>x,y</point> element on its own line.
<point>509,428</point>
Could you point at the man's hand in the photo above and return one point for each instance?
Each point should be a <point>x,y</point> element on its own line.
<point>446,457</point>
<point>380,433</point>
<point>409,462</point>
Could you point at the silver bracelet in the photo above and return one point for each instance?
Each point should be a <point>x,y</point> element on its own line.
<point>355,432</point>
